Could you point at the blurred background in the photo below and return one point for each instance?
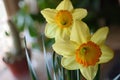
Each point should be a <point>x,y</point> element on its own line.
<point>27,21</point>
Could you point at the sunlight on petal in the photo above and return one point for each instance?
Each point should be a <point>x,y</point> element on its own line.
<point>89,72</point>
<point>70,63</point>
<point>107,54</point>
<point>79,13</point>
<point>49,14</point>
<point>100,36</point>
<point>65,5</point>
<point>80,32</point>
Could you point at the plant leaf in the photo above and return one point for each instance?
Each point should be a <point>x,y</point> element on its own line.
<point>32,71</point>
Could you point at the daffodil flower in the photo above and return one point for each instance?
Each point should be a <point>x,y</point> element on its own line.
<point>84,50</point>
<point>60,20</point>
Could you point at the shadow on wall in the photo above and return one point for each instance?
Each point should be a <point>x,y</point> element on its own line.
<point>111,69</point>
<point>116,65</point>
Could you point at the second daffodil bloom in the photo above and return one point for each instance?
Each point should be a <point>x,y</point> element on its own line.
<point>84,51</point>
<point>60,20</point>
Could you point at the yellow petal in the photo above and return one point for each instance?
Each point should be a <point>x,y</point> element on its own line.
<point>63,33</point>
<point>70,63</point>
<point>107,54</point>
<point>80,32</point>
<point>79,13</point>
<point>100,36</point>
<point>65,5</point>
<point>49,14</point>
<point>65,48</point>
<point>50,30</point>
<point>89,72</point>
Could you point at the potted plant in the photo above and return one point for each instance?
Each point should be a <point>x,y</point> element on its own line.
<point>15,57</point>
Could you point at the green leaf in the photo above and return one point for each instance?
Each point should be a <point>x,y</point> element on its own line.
<point>19,20</point>
<point>48,73</point>
<point>32,31</point>
<point>49,42</point>
<point>31,69</point>
<point>46,59</point>
<point>7,34</point>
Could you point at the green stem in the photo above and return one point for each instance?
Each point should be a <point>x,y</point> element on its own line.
<point>97,77</point>
<point>15,37</point>
<point>73,74</point>
<point>78,74</point>
<point>68,74</point>
<point>63,71</point>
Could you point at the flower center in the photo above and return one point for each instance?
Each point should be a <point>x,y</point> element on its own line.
<point>88,54</point>
<point>63,19</point>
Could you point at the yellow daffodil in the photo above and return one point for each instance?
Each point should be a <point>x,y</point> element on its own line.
<point>84,51</point>
<point>60,20</point>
